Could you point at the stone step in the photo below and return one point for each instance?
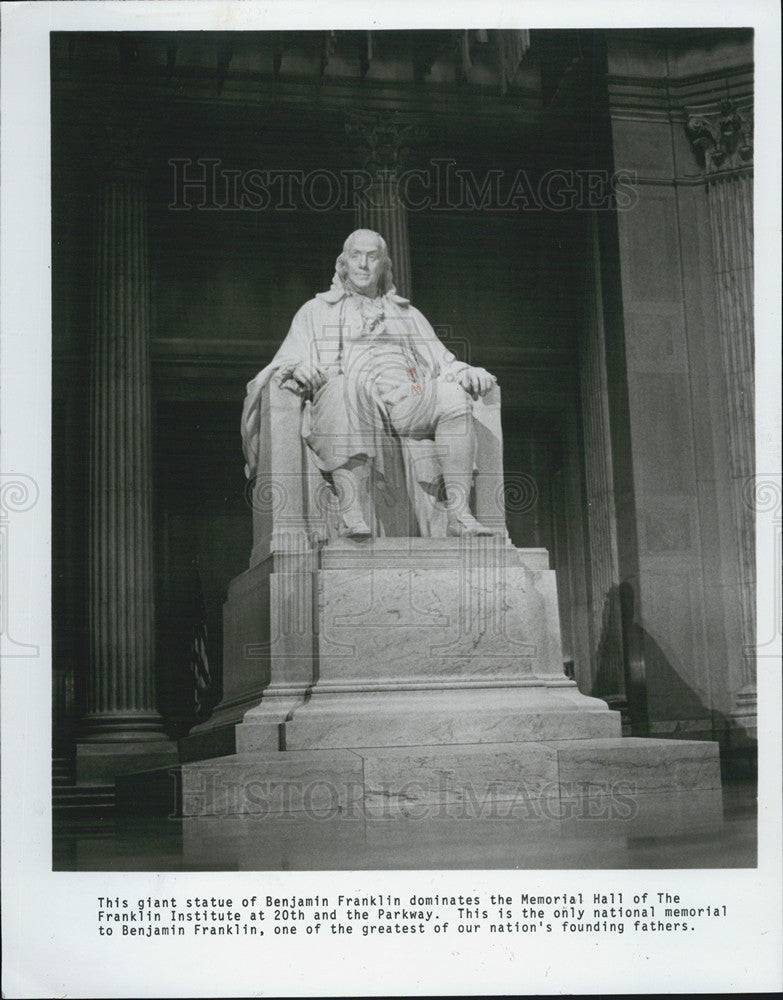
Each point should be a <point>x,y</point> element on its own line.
<point>632,782</point>
<point>78,793</point>
<point>434,716</point>
<point>429,554</point>
<point>83,801</point>
<point>63,771</point>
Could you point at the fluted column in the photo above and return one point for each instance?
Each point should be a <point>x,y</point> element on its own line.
<point>121,689</point>
<point>382,142</point>
<point>606,637</point>
<point>724,142</point>
<point>381,210</point>
<point>122,726</point>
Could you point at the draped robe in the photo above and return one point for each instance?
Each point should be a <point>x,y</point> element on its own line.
<point>324,332</point>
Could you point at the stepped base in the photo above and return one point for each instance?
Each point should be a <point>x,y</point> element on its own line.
<point>414,694</point>
<point>337,719</point>
<point>78,802</point>
<point>409,641</point>
<point>475,806</point>
<point>638,786</point>
<point>378,782</point>
<point>100,762</point>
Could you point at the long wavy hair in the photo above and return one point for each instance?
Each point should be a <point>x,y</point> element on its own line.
<point>385,280</point>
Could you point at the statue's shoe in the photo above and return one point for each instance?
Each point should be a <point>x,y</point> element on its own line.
<point>466,525</point>
<point>359,530</point>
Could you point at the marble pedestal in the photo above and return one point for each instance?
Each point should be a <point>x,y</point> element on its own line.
<point>409,642</point>
<point>422,679</point>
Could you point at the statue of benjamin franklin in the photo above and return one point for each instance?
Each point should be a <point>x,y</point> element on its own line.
<point>369,363</point>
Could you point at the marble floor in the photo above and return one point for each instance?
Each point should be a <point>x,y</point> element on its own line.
<point>686,834</point>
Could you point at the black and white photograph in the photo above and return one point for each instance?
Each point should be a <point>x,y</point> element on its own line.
<point>394,477</point>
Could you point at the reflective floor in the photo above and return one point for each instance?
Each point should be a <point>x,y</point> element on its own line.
<point>690,833</point>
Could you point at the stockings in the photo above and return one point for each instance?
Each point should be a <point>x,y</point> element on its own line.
<point>455,444</point>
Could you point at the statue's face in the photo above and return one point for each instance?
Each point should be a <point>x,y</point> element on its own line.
<point>364,261</point>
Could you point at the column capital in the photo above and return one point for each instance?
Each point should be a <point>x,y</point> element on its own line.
<point>722,138</point>
<point>383,140</point>
<point>119,148</point>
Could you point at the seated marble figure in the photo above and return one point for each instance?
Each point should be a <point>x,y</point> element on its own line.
<point>370,369</point>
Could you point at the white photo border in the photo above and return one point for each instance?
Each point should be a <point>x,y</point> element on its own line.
<point>49,939</point>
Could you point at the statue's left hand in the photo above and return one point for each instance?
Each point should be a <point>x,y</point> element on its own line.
<point>476,381</point>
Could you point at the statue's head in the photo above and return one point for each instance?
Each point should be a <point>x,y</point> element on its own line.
<point>364,265</point>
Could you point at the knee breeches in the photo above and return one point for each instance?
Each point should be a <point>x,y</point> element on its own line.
<point>346,417</point>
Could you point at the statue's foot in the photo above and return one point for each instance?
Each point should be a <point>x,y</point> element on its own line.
<point>358,530</point>
<point>467,525</point>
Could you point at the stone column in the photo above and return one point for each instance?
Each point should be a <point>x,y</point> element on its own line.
<point>723,140</point>
<point>122,728</point>
<point>382,142</point>
<point>606,638</point>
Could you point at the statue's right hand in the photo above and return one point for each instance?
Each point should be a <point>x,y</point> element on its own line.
<point>310,377</point>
